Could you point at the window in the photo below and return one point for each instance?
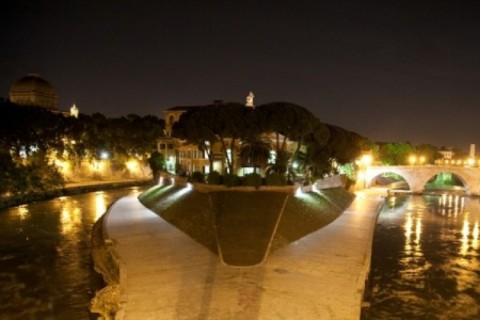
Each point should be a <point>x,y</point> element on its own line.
<point>273,157</point>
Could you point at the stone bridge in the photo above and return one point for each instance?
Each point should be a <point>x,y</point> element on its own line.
<point>418,176</point>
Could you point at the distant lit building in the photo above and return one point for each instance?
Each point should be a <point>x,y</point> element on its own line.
<point>447,153</point>
<point>179,155</point>
<point>32,90</point>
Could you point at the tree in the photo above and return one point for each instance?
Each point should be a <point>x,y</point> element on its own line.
<point>194,126</point>
<point>339,147</point>
<point>395,153</point>
<point>285,121</point>
<point>255,152</point>
<point>157,165</point>
<point>430,152</point>
<point>228,123</point>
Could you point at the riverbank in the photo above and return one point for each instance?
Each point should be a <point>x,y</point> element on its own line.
<point>72,188</point>
<point>165,274</point>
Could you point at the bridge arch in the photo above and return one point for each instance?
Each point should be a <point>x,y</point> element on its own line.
<point>429,184</point>
<point>391,179</point>
<point>418,176</point>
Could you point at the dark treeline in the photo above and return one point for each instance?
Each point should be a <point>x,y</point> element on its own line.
<point>32,138</point>
<point>320,148</point>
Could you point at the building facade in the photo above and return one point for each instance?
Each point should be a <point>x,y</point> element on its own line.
<point>185,158</point>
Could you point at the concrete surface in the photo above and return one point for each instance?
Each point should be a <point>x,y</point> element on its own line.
<point>167,275</point>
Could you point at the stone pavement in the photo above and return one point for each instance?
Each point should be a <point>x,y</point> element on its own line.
<point>167,275</point>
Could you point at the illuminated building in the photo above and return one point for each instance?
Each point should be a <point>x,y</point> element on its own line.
<point>182,157</point>
<point>32,90</point>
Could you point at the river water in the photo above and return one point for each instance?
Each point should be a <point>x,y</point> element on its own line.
<point>46,269</point>
<point>426,259</point>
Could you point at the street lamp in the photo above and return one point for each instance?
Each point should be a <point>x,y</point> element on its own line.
<point>422,160</point>
<point>364,162</point>
<point>412,159</point>
<point>471,162</point>
<point>367,160</point>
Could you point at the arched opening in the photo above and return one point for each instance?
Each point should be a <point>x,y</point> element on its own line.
<point>390,181</point>
<point>446,181</point>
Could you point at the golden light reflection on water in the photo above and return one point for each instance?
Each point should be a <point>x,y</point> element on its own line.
<point>469,236</point>
<point>70,215</point>
<point>467,261</point>
<point>451,205</point>
<point>413,232</point>
<point>455,206</point>
<point>100,204</point>
<point>475,233</point>
<point>22,212</point>
<point>437,264</point>
<point>418,231</point>
<point>465,232</point>
<point>135,191</point>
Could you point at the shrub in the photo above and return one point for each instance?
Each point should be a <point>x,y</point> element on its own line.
<point>253,180</point>
<point>214,178</point>
<point>231,180</point>
<point>275,179</point>
<point>197,177</point>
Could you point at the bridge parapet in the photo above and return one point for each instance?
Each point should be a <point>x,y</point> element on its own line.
<point>418,176</point>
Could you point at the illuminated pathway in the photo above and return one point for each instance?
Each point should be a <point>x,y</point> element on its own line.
<point>167,275</point>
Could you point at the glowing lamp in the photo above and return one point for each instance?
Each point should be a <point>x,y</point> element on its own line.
<point>132,165</point>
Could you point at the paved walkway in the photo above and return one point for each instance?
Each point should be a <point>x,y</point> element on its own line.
<point>167,275</point>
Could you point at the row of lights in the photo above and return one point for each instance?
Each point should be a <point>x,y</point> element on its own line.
<point>458,162</point>
<point>366,160</point>
<point>414,159</point>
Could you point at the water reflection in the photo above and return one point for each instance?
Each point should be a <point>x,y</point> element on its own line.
<point>100,206</point>
<point>469,236</point>
<point>451,205</point>
<point>45,263</point>
<point>426,260</point>
<point>475,233</point>
<point>413,231</point>
<point>22,212</point>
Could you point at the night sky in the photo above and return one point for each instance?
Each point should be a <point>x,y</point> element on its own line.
<point>389,70</point>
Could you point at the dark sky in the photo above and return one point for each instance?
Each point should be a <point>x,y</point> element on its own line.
<point>389,70</point>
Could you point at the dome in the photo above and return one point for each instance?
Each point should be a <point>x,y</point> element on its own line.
<point>32,90</point>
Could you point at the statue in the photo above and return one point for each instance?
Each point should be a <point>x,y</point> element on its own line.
<point>249,102</point>
<point>74,111</point>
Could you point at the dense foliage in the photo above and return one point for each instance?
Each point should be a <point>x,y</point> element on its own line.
<point>400,153</point>
<point>31,138</point>
<point>320,148</point>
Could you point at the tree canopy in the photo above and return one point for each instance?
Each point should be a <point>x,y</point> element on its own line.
<point>317,145</point>
<point>30,136</point>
